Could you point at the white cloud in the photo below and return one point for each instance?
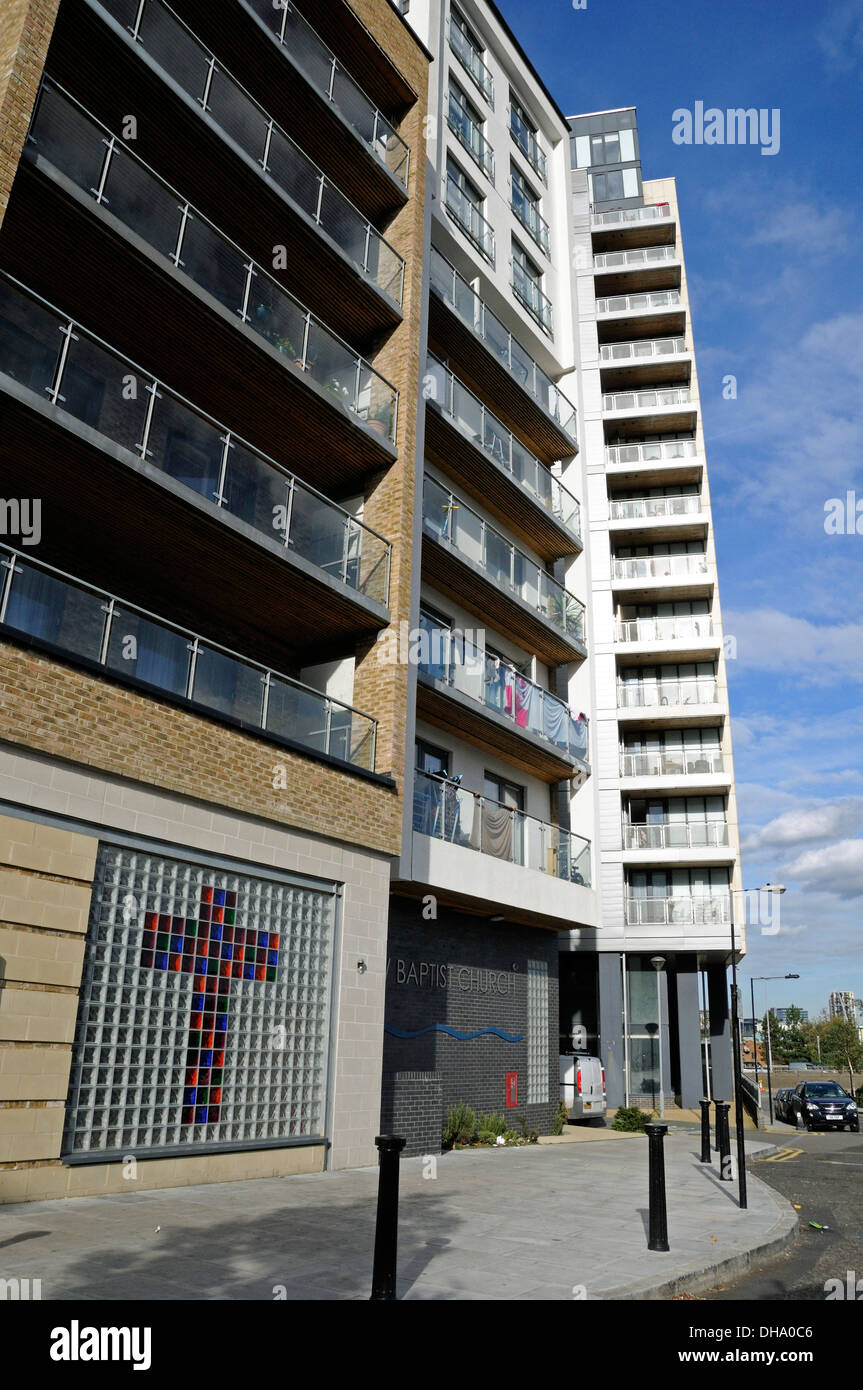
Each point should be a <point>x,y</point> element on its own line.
<point>836,868</point>
<point>817,653</point>
<point>805,824</point>
<point>841,36</point>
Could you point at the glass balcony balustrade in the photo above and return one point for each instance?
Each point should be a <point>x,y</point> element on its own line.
<point>639,508</point>
<point>468,216</point>
<point>448,656</point>
<point>44,603</point>
<point>472,310</point>
<point>672,762</point>
<point>659,566</point>
<point>471,418</point>
<point>678,834</point>
<point>530,217</point>
<point>684,627</point>
<point>642,255</point>
<point>651,212</point>
<point>687,911</point>
<point>640,348</point>
<point>696,690</point>
<point>453,523</point>
<point>75,371</point>
<point>329,77</point>
<point>445,810</point>
<point>527,142</point>
<point>471,61</point>
<point>637,303</point>
<point>531,297</point>
<point>469,136</point>
<point>86,152</point>
<point>177,52</point>
<point>646,400</point>
<point>653,452</point>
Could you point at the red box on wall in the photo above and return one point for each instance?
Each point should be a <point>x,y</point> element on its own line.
<point>511,1089</point>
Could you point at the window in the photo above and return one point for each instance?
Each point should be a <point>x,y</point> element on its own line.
<point>464,202</point>
<point>527,285</point>
<point>469,51</point>
<point>466,123</point>
<point>524,134</point>
<point>525,205</point>
<point>615,147</point>
<point>619,183</point>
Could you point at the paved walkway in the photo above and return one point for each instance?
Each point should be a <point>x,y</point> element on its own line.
<point>540,1222</point>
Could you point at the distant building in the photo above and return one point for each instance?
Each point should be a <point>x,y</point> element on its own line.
<point>842,1005</point>
<point>781,1015</point>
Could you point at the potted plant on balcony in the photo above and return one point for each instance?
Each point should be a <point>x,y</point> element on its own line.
<point>380,420</point>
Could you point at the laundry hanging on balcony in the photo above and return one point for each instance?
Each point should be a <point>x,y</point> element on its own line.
<point>497,832</point>
<point>528,705</point>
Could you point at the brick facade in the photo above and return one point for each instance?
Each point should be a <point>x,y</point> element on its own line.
<point>25,31</point>
<point>412,1105</point>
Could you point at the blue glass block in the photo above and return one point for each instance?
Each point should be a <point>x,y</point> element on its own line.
<point>201,1115</point>
<point>222,1023</point>
<point>176,943</point>
<point>190,1096</point>
<point>227,951</point>
<point>248,971</point>
<point>219,897</point>
<point>272,957</point>
<point>216,932</point>
<point>162,960</point>
<point>263,938</point>
<point>198,1003</point>
<point>206,1059</point>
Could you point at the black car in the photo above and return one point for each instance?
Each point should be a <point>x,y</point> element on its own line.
<point>780,1104</point>
<point>826,1103</point>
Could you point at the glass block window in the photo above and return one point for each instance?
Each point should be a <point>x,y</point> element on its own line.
<point>537,1032</point>
<point>205,1009</point>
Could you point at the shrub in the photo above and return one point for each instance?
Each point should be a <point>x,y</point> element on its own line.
<point>460,1127</point>
<point>495,1124</point>
<point>485,1136</point>
<point>631,1119</point>
<point>560,1119</point>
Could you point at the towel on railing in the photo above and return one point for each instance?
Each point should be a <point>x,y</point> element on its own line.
<point>555,717</point>
<point>578,737</point>
<point>497,832</point>
<point>528,705</point>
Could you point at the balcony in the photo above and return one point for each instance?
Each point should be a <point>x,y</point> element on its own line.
<point>104,168</point>
<point>134,646</point>
<point>662,408</point>
<point>647,268</point>
<point>641,348</point>
<point>658,451</point>
<point>695,690</point>
<point>652,225</point>
<point>697,630</point>
<point>147,453</point>
<point>690,834</point>
<point>676,568</point>
<point>642,508</point>
<point>496,580</point>
<point>307,51</point>
<point>645,400</point>
<point>640,256</point>
<point>471,62</point>
<point>549,416</point>
<point>528,144</point>
<point>531,298</point>
<point>468,217</point>
<point>326,214</point>
<point>470,137</point>
<point>651,212</point>
<point>494,706</point>
<point>446,811</point>
<point>638,303</point>
<point>528,214</point>
<point>687,911</point>
<point>516,484</point>
<point>678,762</point>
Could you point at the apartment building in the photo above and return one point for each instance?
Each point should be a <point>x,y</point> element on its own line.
<point>497,847</point>
<point>842,1005</point>
<point>211,262</point>
<point>667,837</point>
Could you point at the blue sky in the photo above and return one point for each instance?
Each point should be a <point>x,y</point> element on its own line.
<point>773,253</point>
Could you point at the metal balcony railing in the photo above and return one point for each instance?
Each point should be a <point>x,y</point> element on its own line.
<point>472,419</point>
<point>329,77</point>
<point>451,658</point>
<point>99,163</point>
<point>44,603</point>
<point>637,508</point>
<point>471,61</point>
<point>637,303</point>
<point>468,216</point>
<point>653,399</point>
<point>651,212</point>
<point>641,255</point>
<point>691,911</point>
<point>451,522</point>
<point>659,566</point>
<point>678,762</point>
<point>642,347</point>
<point>87,379</point>
<point>528,293</point>
<point>463,299</point>
<point>530,217</point>
<point>651,452</point>
<point>528,144</point>
<point>690,834</point>
<point>174,49</point>
<point>665,629</point>
<point>469,135</point>
<point>445,810</point>
<point>696,690</point>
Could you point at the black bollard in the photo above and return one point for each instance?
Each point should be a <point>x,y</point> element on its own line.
<point>658,1234</point>
<point>387,1226</point>
<point>723,1140</point>
<point>705,1131</point>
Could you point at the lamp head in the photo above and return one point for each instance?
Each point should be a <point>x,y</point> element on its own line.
<point>657,962</point>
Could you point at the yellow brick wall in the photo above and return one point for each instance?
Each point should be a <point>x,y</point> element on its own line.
<point>25,31</point>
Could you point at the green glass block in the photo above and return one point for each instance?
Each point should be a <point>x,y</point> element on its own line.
<point>191,927</point>
<point>271,973</point>
<point>163,940</point>
<point>230,916</point>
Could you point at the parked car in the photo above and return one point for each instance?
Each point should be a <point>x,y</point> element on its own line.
<point>816,1103</point>
<point>582,1086</point>
<point>780,1103</point>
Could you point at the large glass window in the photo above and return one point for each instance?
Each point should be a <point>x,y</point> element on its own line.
<point>205,1009</point>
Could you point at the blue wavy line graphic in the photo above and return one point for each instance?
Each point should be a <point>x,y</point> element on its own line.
<point>453,1032</point>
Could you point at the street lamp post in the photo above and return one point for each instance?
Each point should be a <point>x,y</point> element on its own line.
<point>658,962</point>
<point>764,979</point>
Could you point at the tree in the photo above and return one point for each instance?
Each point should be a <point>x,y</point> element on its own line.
<point>797,1042</point>
<point>777,1052</point>
<point>841,1048</point>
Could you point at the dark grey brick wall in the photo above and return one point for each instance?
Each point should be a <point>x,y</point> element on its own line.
<point>411,1104</point>
<point>469,974</point>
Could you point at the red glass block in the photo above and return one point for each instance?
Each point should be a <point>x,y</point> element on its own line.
<point>206,894</point>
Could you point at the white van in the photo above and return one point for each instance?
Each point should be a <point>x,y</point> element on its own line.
<point>582,1085</point>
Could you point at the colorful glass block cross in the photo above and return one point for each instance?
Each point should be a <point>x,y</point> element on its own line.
<point>216,951</point>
